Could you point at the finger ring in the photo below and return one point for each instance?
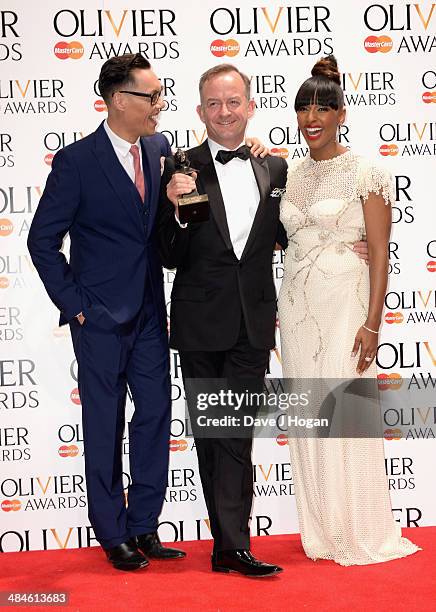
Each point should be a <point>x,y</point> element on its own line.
<point>368,358</point>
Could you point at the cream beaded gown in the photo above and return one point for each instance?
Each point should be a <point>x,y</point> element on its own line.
<point>342,496</point>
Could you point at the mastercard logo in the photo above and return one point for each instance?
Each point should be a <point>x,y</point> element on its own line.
<point>431,266</point>
<point>4,282</point>
<point>11,505</point>
<point>282,440</point>
<point>178,445</point>
<point>229,47</point>
<point>75,397</point>
<point>389,382</point>
<point>373,44</point>
<point>429,97</point>
<point>394,317</point>
<point>388,149</point>
<point>68,451</point>
<point>280,152</point>
<point>6,227</point>
<point>48,159</point>
<point>100,106</point>
<point>393,434</point>
<point>64,50</point>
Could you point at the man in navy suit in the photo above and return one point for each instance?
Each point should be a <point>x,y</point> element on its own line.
<point>103,190</point>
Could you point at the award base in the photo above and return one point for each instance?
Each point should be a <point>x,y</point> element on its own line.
<point>193,209</point>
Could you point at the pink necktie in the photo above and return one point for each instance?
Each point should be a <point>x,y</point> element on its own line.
<point>139,176</point>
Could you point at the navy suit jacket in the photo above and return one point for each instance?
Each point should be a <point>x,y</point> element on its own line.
<point>113,255</point>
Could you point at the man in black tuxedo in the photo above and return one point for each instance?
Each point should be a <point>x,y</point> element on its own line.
<point>223,303</point>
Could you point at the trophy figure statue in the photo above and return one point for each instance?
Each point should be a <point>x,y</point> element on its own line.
<point>193,207</point>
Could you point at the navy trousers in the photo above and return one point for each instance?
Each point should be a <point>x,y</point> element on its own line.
<point>107,363</point>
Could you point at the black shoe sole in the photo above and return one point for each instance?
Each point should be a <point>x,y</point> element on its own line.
<point>128,568</point>
<point>158,558</point>
<point>227,570</point>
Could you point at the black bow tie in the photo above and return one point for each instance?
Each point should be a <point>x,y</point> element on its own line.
<point>225,156</point>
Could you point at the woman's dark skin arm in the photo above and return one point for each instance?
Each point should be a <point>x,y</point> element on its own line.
<point>378,220</point>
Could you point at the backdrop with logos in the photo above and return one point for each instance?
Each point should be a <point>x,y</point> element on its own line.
<point>50,56</point>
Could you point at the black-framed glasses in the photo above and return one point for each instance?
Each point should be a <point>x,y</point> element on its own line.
<point>154,97</point>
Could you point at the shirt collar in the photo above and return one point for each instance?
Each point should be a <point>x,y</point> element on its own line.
<point>215,147</point>
<point>121,146</point>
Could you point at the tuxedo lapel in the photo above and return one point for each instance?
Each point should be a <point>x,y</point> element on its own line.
<point>116,175</point>
<point>261,173</point>
<point>208,180</point>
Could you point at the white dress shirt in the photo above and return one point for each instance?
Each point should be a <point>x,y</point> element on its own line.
<point>122,150</point>
<point>240,194</point>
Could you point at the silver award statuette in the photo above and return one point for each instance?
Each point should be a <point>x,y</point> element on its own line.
<point>193,207</point>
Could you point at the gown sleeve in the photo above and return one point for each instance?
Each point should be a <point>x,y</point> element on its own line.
<point>373,178</point>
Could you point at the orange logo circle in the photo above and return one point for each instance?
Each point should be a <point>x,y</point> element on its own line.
<point>389,382</point>
<point>229,47</point>
<point>429,97</point>
<point>394,317</point>
<point>6,227</point>
<point>48,159</point>
<point>4,282</point>
<point>393,434</point>
<point>178,445</point>
<point>68,451</point>
<point>64,50</point>
<point>11,505</point>
<point>388,149</point>
<point>100,106</point>
<point>374,44</point>
<point>431,266</point>
<point>280,152</point>
<point>75,397</point>
<point>282,440</point>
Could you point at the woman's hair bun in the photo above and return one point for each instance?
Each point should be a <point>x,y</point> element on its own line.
<point>327,67</point>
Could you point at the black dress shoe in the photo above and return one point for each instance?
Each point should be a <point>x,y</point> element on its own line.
<point>151,546</point>
<point>126,557</point>
<point>242,561</point>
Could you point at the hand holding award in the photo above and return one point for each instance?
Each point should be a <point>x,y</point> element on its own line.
<point>192,207</point>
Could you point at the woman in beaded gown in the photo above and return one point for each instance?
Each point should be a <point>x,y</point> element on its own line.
<point>330,308</point>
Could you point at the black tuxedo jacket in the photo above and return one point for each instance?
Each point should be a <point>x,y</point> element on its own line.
<point>212,288</point>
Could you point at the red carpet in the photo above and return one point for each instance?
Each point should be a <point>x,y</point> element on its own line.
<point>405,584</point>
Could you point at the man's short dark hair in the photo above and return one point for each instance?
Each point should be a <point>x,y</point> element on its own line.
<point>116,73</point>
